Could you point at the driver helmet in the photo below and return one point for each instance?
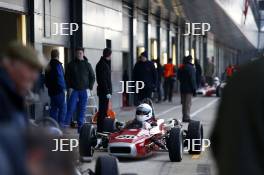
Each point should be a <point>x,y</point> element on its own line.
<point>216,81</point>
<point>143,112</point>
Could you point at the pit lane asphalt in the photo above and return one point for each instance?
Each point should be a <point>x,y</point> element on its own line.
<point>203,109</point>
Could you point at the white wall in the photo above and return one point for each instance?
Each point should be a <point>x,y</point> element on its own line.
<point>103,20</point>
<point>234,9</point>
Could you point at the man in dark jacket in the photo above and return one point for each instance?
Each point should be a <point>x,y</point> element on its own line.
<point>237,137</point>
<point>186,76</point>
<point>199,72</point>
<point>104,88</point>
<point>79,77</point>
<point>54,79</point>
<point>209,71</point>
<point>144,70</point>
<point>159,71</point>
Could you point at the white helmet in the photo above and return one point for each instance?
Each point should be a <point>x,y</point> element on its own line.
<point>216,79</point>
<point>143,112</point>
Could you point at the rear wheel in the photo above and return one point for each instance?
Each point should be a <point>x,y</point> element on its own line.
<point>175,144</point>
<point>106,165</point>
<point>218,91</point>
<point>195,136</point>
<point>87,140</point>
<point>109,125</point>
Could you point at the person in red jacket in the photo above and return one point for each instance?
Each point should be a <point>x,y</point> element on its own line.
<point>229,71</point>
<point>169,75</point>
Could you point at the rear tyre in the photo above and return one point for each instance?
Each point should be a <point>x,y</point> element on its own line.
<point>175,144</point>
<point>195,136</point>
<point>218,91</point>
<point>109,125</point>
<point>87,140</point>
<point>106,165</point>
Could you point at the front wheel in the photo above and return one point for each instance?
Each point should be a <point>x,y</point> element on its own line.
<point>195,136</point>
<point>87,140</point>
<point>106,165</point>
<point>175,144</point>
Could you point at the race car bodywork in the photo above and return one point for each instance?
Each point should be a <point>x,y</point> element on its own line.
<point>209,90</point>
<point>137,139</point>
<point>206,91</point>
<point>135,142</point>
<point>142,141</point>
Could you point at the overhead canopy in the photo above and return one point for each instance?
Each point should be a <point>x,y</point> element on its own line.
<point>224,29</point>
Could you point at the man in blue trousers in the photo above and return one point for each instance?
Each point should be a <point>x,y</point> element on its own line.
<point>55,82</point>
<point>79,77</point>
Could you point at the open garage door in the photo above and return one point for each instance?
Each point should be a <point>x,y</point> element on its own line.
<point>62,50</point>
<point>13,28</point>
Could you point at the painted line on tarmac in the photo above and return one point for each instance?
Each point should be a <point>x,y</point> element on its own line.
<point>196,156</point>
<point>173,108</point>
<point>204,108</point>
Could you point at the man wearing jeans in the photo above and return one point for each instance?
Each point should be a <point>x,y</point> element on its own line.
<point>186,76</point>
<point>79,77</point>
<point>54,80</point>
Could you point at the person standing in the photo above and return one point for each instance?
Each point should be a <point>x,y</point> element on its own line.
<point>186,76</point>
<point>144,70</point>
<point>159,71</point>
<point>104,88</point>
<point>199,72</point>
<point>209,71</point>
<point>55,82</point>
<point>79,77</point>
<point>125,79</point>
<point>169,75</point>
<point>229,71</point>
<point>237,136</point>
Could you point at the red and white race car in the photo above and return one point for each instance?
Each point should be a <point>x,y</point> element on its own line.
<point>210,90</point>
<point>136,139</point>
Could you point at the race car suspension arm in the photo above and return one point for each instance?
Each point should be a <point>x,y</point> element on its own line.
<point>156,142</point>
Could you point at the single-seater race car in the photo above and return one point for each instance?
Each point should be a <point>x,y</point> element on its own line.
<point>142,136</point>
<point>209,91</point>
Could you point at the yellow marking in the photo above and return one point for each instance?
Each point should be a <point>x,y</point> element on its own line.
<point>196,156</point>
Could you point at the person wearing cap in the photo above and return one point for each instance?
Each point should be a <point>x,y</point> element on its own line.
<point>187,78</point>
<point>144,70</point>
<point>79,77</point>
<point>104,88</point>
<point>55,82</point>
<point>19,70</point>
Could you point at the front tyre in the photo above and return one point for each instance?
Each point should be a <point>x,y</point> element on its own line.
<point>87,140</point>
<point>175,144</point>
<point>195,136</point>
<point>106,165</point>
